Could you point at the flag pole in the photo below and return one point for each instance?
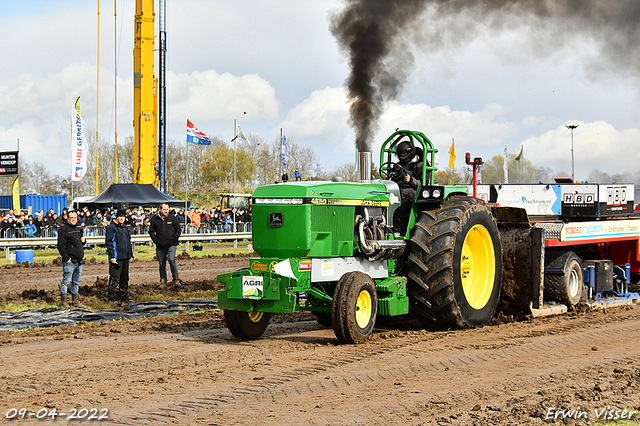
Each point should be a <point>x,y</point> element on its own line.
<point>115,86</point>
<point>186,195</point>
<point>97,95</point>
<point>235,138</point>
<point>280,177</point>
<point>71,132</point>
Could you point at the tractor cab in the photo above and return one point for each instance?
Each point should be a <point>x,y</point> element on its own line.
<point>390,168</point>
<point>420,166</point>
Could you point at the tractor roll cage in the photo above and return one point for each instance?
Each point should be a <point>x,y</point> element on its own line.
<point>425,148</point>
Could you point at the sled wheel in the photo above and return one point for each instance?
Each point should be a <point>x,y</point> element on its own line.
<point>565,287</point>
<point>354,308</point>
<point>247,325</point>
<point>455,265</point>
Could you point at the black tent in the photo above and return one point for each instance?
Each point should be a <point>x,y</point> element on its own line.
<point>130,195</point>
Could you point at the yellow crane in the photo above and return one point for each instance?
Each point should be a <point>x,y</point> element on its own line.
<point>144,98</point>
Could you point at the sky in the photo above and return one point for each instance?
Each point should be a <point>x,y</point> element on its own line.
<point>275,65</point>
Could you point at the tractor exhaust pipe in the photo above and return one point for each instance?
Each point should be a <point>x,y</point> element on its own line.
<point>364,167</point>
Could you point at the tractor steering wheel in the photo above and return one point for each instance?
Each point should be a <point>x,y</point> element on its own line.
<point>392,171</point>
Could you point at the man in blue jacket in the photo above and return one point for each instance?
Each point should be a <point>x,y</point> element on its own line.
<point>120,252</point>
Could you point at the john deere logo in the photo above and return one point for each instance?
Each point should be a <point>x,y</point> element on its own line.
<point>276,219</point>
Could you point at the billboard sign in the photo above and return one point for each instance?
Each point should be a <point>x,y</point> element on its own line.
<point>8,163</point>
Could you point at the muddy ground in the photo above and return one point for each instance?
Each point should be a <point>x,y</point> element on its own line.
<point>188,369</point>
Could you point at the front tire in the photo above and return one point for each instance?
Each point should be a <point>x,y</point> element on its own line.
<point>354,307</point>
<point>455,269</point>
<point>247,325</point>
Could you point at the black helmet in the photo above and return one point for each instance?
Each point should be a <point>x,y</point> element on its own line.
<point>405,151</point>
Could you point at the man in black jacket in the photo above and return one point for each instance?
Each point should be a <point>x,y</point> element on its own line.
<point>120,253</point>
<point>165,231</point>
<point>70,246</point>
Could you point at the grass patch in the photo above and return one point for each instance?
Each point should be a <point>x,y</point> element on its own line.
<point>181,296</point>
<point>99,303</point>
<point>144,252</point>
<point>24,306</point>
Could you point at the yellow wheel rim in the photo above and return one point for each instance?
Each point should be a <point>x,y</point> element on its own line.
<point>255,316</point>
<point>364,307</point>
<point>477,267</point>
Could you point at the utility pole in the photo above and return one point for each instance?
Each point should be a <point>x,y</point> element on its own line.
<point>572,127</point>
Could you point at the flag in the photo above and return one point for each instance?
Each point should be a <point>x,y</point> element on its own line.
<point>506,167</point>
<point>79,147</point>
<point>242,139</point>
<point>196,136</point>
<point>15,195</point>
<point>520,155</point>
<point>452,154</point>
<point>285,151</point>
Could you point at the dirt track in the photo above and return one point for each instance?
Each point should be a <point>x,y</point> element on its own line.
<point>24,277</point>
<point>189,370</point>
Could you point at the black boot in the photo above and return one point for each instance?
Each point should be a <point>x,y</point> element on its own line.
<point>111,292</point>
<point>124,293</point>
<point>63,301</point>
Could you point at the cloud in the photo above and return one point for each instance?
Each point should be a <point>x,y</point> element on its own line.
<point>37,110</point>
<point>320,121</point>
<point>208,95</point>
<point>324,112</point>
<point>597,145</point>
<point>31,96</point>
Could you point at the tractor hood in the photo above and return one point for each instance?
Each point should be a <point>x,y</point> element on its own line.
<point>378,193</point>
<point>314,219</point>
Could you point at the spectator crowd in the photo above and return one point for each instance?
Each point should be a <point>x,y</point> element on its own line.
<point>15,224</point>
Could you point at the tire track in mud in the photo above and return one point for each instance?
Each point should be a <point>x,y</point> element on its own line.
<point>394,368</point>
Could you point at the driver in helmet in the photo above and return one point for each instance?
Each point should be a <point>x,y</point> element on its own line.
<point>408,177</point>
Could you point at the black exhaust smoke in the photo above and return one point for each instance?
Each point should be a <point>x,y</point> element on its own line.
<point>368,30</point>
<point>377,34</point>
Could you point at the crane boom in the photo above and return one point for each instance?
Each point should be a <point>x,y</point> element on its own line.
<point>144,118</point>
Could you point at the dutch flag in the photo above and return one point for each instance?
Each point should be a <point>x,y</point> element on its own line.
<point>196,136</point>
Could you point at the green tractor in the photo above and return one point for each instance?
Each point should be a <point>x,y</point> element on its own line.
<point>331,248</point>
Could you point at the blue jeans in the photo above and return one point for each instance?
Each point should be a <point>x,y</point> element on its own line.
<point>70,274</point>
<point>163,253</point>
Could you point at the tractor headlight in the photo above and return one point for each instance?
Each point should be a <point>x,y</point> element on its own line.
<point>430,194</point>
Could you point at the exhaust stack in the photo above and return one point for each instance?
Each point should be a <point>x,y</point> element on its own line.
<point>364,166</point>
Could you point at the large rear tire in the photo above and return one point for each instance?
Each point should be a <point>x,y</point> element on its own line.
<point>455,265</point>
<point>354,307</point>
<point>247,325</point>
<point>565,287</point>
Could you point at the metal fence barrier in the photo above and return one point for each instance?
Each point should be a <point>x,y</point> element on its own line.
<point>94,235</point>
<point>91,231</point>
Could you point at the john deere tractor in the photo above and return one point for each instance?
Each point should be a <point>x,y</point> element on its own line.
<point>330,248</point>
